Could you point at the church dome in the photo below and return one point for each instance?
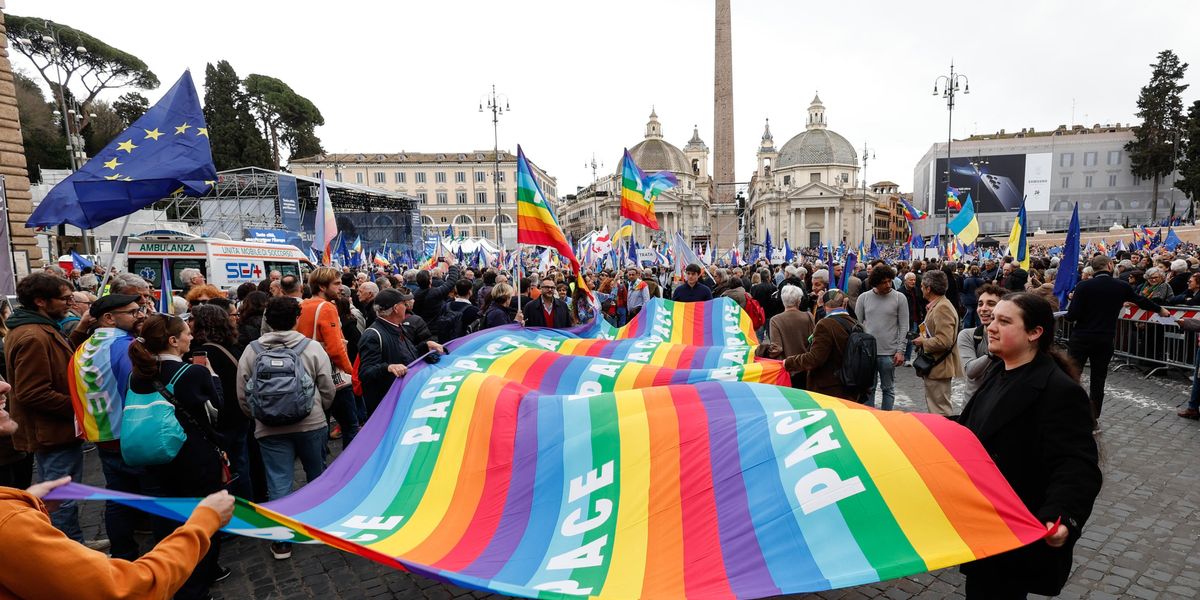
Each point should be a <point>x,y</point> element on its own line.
<point>817,145</point>
<point>656,154</point>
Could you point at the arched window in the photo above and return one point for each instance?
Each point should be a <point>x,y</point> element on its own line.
<point>427,220</point>
<point>463,220</point>
<point>505,219</point>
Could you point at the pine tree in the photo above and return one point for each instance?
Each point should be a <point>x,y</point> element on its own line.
<point>233,134</point>
<point>1189,154</point>
<point>1160,106</point>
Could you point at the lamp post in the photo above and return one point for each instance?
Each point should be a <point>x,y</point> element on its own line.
<point>867,155</point>
<point>493,102</point>
<point>595,191</point>
<point>74,141</point>
<point>949,89</point>
<point>978,165</point>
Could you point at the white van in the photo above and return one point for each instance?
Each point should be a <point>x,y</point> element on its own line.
<point>224,263</point>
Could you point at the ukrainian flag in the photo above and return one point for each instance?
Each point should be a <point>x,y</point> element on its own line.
<point>965,225</point>
<point>1017,246</point>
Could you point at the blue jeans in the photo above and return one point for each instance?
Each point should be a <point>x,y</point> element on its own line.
<point>119,520</point>
<point>886,378</point>
<point>1194,401</point>
<point>60,462</point>
<point>237,442</point>
<point>279,454</point>
<point>908,346</point>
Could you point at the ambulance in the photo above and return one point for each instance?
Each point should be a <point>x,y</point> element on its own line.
<point>224,263</point>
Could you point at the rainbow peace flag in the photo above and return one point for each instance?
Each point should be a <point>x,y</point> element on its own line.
<point>657,460</point>
<point>911,212</point>
<point>98,378</point>
<point>536,223</point>
<point>639,189</point>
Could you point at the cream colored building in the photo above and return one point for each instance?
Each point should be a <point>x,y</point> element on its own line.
<point>808,191</point>
<point>683,208</point>
<point>456,190</point>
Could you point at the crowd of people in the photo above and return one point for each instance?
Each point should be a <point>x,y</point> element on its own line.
<point>270,372</point>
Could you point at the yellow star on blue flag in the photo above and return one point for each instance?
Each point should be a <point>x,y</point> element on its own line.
<point>151,171</point>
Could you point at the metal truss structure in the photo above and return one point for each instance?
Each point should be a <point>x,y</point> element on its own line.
<point>249,197</point>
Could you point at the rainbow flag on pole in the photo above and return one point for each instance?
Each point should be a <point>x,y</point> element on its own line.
<point>98,378</point>
<point>659,460</point>
<point>326,224</point>
<point>639,189</point>
<point>536,223</point>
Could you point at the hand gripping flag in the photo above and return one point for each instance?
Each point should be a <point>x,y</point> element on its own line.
<point>536,223</point>
<point>965,225</point>
<point>639,190</point>
<point>164,152</point>
<point>658,460</point>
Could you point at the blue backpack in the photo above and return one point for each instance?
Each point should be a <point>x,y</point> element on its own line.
<point>150,431</point>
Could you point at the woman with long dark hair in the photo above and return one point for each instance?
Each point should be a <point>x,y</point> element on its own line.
<point>197,470</point>
<point>213,334</point>
<point>1035,421</point>
<point>250,317</point>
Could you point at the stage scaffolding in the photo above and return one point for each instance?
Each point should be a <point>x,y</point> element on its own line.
<point>249,197</point>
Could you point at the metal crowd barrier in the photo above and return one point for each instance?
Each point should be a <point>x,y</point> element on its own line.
<point>1143,343</point>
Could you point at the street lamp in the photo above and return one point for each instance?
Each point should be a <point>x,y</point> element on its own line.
<point>867,155</point>
<point>74,139</point>
<point>950,87</point>
<point>493,104</point>
<point>978,164</point>
<point>595,185</point>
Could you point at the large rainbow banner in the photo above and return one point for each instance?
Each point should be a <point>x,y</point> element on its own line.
<point>659,460</point>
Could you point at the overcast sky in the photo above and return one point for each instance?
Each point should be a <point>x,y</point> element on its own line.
<point>581,77</point>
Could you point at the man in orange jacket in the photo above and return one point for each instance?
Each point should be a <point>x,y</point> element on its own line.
<point>53,566</point>
<point>319,321</point>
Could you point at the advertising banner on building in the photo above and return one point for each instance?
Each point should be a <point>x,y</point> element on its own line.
<point>289,203</point>
<point>997,183</point>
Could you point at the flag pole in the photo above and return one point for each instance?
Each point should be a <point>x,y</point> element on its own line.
<point>112,256</point>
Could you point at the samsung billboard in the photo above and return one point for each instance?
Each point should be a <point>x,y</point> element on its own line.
<point>997,183</point>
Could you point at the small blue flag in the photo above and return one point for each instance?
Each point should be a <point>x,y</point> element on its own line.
<point>164,152</point>
<point>79,262</point>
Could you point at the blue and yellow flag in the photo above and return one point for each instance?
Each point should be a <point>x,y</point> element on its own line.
<point>965,225</point>
<point>1017,246</point>
<point>164,152</point>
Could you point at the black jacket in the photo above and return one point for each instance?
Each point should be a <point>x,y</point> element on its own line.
<point>1040,437</point>
<point>196,470</point>
<point>382,344</point>
<point>427,302</point>
<point>1097,303</point>
<point>535,315</point>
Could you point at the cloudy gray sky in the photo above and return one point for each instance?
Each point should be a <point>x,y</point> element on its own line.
<point>581,77</point>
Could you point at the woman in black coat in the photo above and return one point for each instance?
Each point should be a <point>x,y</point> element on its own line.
<point>198,469</point>
<point>1035,421</point>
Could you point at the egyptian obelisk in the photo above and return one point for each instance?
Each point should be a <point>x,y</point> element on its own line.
<point>723,175</point>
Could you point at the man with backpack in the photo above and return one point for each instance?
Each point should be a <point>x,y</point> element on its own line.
<point>837,336</point>
<point>883,313</point>
<point>386,348</point>
<point>456,314</point>
<point>285,384</point>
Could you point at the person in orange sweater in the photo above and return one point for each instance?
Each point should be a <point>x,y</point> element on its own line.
<point>53,566</point>
<point>319,322</point>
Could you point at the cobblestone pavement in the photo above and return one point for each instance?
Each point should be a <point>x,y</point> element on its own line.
<point>1141,541</point>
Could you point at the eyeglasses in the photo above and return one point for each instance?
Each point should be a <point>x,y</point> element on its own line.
<point>69,298</point>
<point>131,311</point>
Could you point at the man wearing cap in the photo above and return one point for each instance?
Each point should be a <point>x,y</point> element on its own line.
<point>101,373</point>
<point>691,290</point>
<point>386,348</point>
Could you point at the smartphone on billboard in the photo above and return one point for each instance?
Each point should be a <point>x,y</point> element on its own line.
<point>1003,189</point>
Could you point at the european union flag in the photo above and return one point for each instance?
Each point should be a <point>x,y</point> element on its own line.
<point>164,152</point>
